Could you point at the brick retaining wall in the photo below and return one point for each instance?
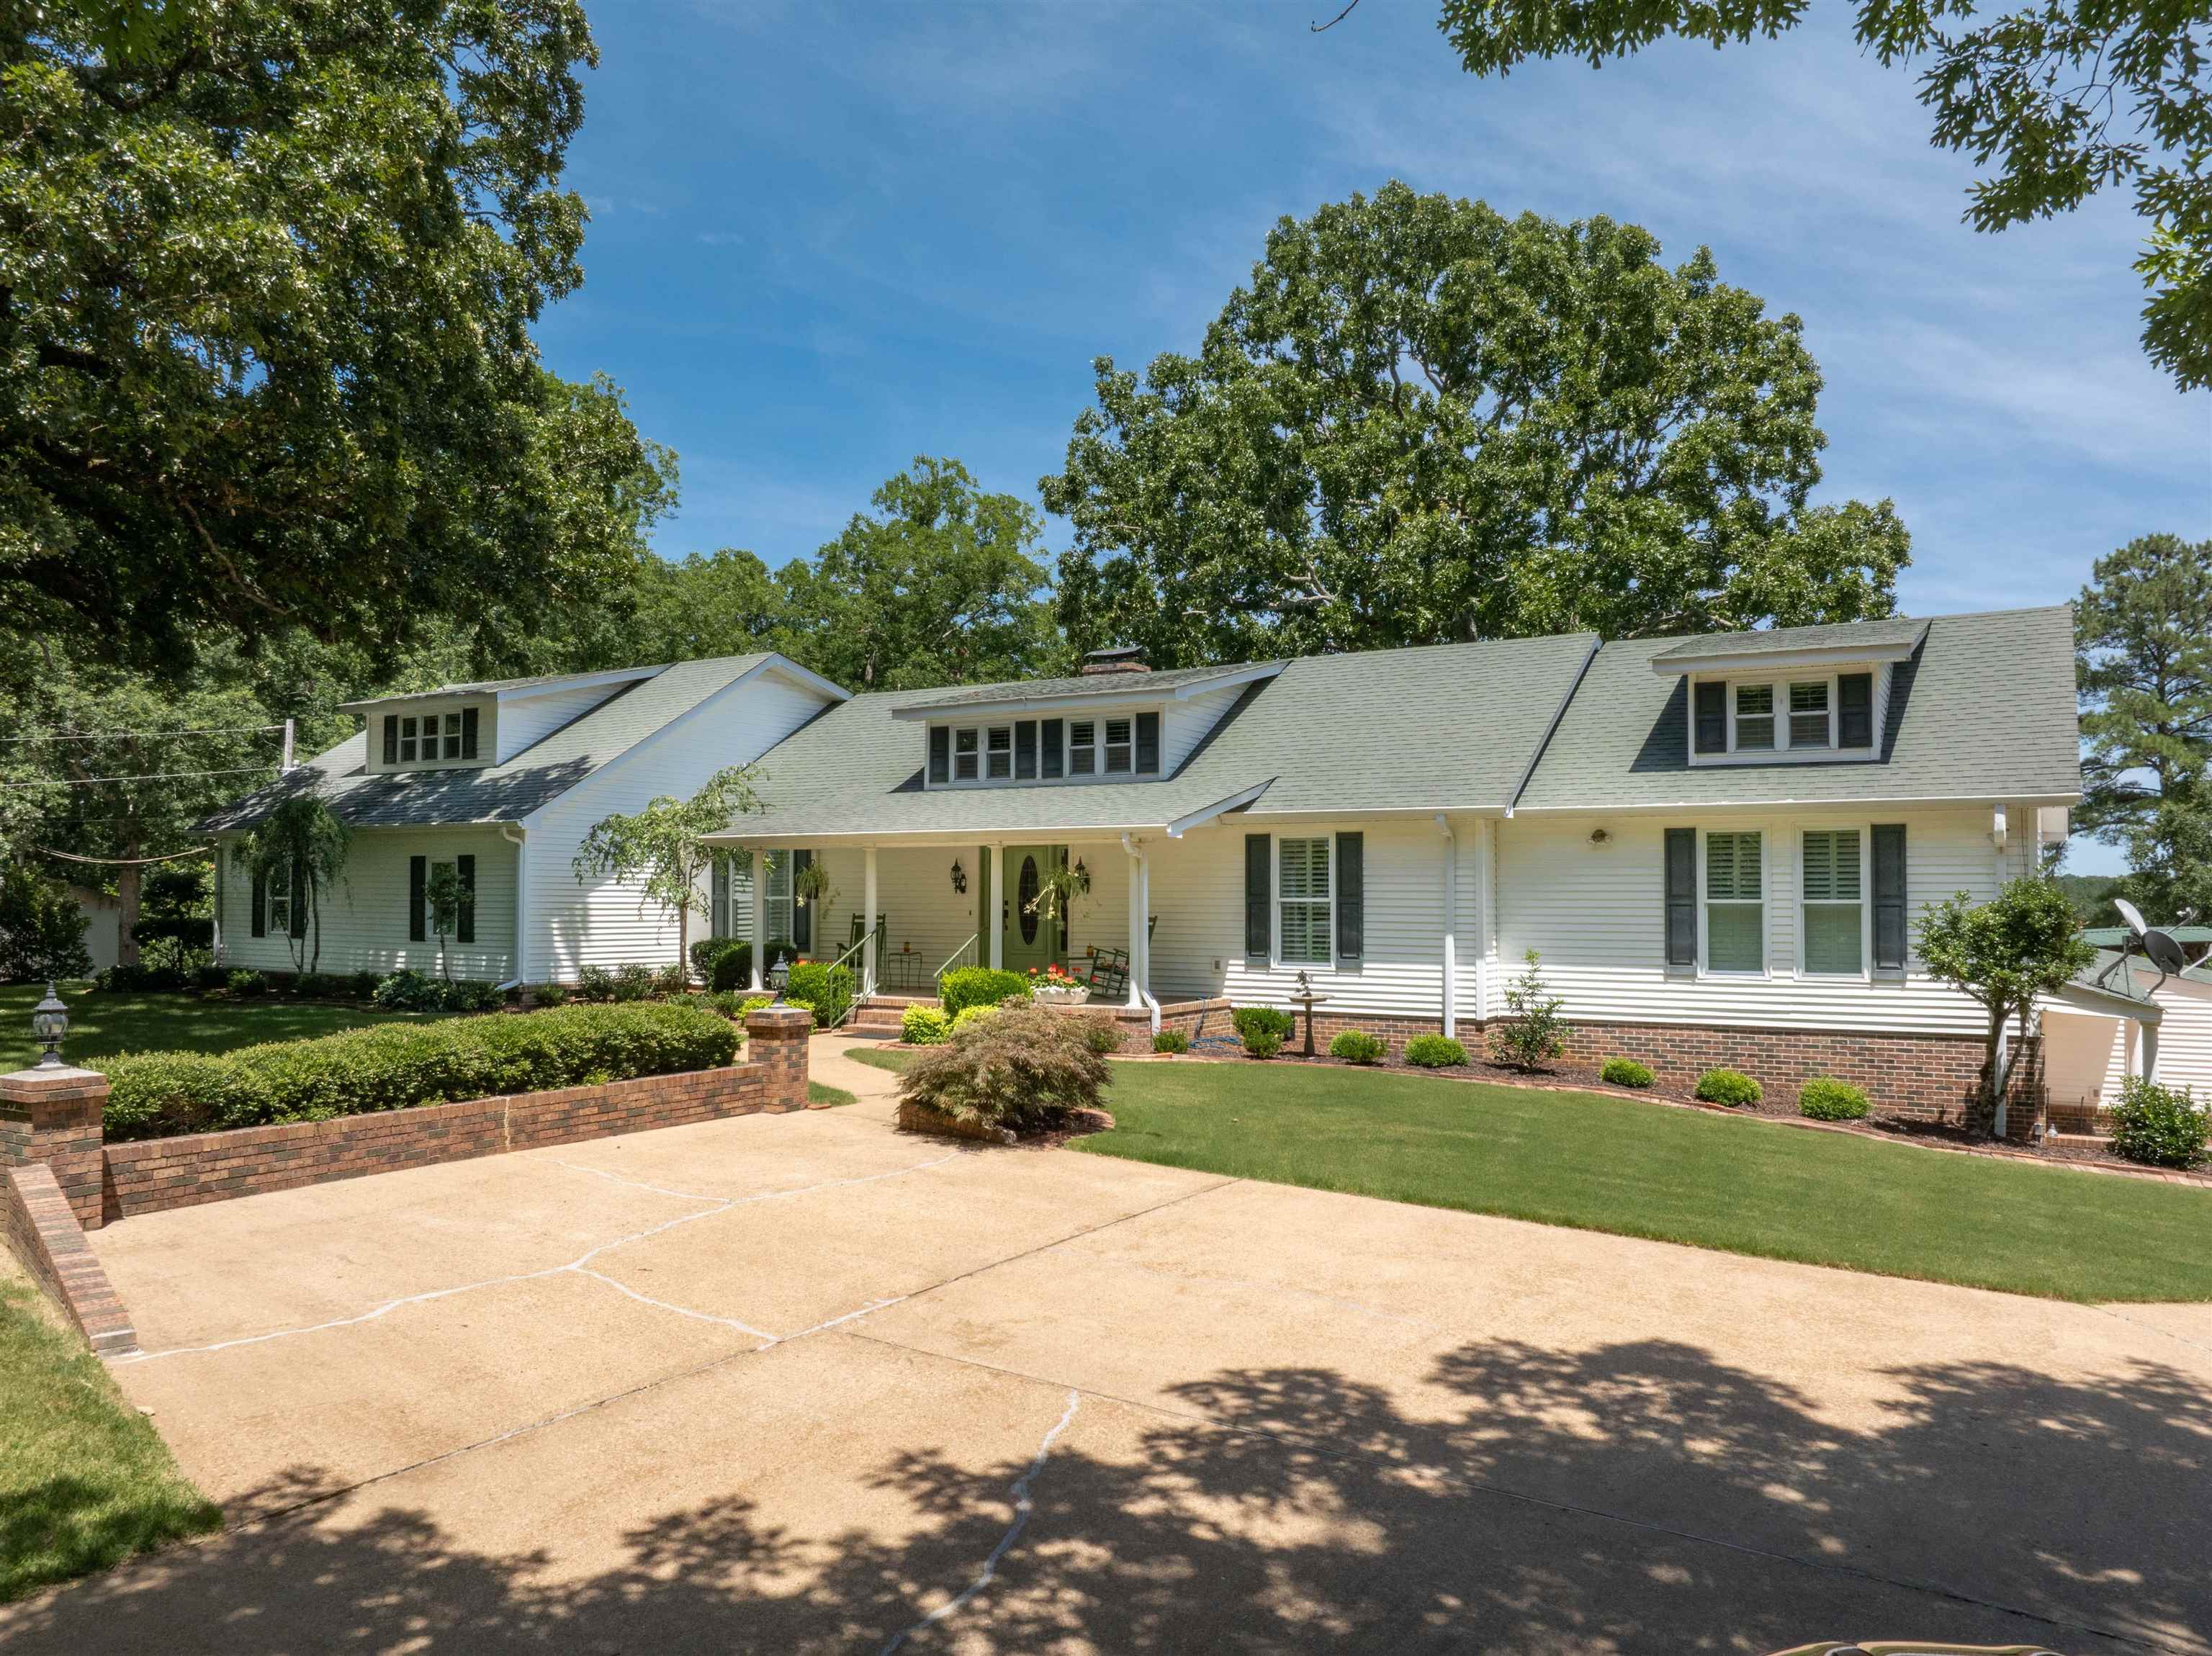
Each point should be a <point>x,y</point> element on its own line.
<point>42,1233</point>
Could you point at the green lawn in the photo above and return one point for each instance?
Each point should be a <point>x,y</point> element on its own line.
<point>85,1481</point>
<point>101,1025</point>
<point>820,1092</point>
<point>1737,1184</point>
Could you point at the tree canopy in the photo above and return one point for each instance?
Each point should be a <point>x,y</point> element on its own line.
<point>1422,422</point>
<point>267,271</point>
<point>2066,97</point>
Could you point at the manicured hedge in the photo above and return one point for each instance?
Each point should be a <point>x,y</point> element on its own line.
<point>1824,1098</point>
<point>395,1066</point>
<point>978,986</point>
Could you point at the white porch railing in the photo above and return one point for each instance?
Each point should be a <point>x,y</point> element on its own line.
<point>966,954</point>
<point>864,973</point>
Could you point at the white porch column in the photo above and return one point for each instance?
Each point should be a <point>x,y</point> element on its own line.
<point>1451,927</point>
<point>760,916</point>
<point>2149,1051</point>
<point>868,923</point>
<point>996,909</point>
<point>1139,880</point>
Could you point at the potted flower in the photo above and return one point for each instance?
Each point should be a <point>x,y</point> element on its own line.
<point>1055,988</point>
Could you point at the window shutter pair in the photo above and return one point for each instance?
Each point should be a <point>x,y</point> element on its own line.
<point>802,914</point>
<point>468,733</point>
<point>718,903</point>
<point>1025,750</point>
<point>260,906</point>
<point>940,753</point>
<point>465,874</point>
<point>1682,897</point>
<point>1052,728</point>
<point>392,738</point>
<point>1148,744</point>
<point>1889,925</point>
<point>1351,895</point>
<point>418,891</point>
<point>1855,710</point>
<point>1259,902</point>
<point>1713,718</point>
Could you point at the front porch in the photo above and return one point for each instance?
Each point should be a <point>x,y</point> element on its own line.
<point>877,1017</point>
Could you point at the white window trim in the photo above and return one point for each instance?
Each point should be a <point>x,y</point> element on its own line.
<point>277,898</point>
<point>418,712</point>
<point>1281,961</point>
<point>981,731</point>
<point>1865,831</point>
<point>1782,753</point>
<point>1705,969</point>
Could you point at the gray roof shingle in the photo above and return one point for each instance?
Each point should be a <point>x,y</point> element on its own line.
<point>1984,710</point>
<point>1067,689</point>
<point>1785,640</point>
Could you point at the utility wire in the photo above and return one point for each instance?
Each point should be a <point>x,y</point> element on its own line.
<point>126,862</point>
<point>151,776</point>
<point>118,736</point>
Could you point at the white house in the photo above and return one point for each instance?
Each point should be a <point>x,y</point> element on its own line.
<point>503,780</point>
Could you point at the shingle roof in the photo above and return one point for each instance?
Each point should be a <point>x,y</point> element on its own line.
<point>1786,640</point>
<point>1984,710</point>
<point>498,793</point>
<point>1449,726</point>
<point>508,686</point>
<point>1068,690</point>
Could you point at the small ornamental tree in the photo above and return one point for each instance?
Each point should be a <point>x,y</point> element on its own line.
<point>301,834</point>
<point>1535,1032</point>
<point>663,848</point>
<point>442,897</point>
<point>2003,954</point>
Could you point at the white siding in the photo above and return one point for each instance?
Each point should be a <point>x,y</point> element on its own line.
<point>525,721</point>
<point>572,925</point>
<point>2185,1038</point>
<point>365,921</point>
<point>1183,725</point>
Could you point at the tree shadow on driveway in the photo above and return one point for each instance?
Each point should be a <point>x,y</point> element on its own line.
<point>1636,1497</point>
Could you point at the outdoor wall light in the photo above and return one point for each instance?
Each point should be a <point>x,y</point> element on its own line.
<point>49,1023</point>
<point>1082,876</point>
<point>959,878</point>
<point>1601,837</point>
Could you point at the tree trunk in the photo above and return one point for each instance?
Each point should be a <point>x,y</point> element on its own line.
<point>1989,1063</point>
<point>128,881</point>
<point>684,945</point>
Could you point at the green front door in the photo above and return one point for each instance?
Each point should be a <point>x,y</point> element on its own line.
<point>1031,939</point>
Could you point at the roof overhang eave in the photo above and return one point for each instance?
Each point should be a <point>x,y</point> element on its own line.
<point>1750,661</point>
<point>1137,694</point>
<point>1893,801</point>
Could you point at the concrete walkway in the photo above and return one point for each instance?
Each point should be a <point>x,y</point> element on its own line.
<point>804,1383</point>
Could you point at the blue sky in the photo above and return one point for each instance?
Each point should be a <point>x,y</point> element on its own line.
<point>826,238</point>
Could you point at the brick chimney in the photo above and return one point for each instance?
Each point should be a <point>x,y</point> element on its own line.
<point>1115,658</point>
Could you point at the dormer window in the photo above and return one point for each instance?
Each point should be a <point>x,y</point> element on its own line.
<point>1118,748</point>
<point>1799,716</point>
<point>1032,750</point>
<point>448,737</point>
<point>1810,716</point>
<point>1000,756</point>
<point>963,755</point>
<point>1754,716</point>
<point>1082,748</point>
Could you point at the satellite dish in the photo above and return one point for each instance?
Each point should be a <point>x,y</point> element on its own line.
<point>2131,914</point>
<point>2164,952</point>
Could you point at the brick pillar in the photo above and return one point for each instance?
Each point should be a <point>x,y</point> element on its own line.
<point>53,1116</point>
<point>776,1037</point>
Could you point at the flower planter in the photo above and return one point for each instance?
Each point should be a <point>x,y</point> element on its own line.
<point>1057,995</point>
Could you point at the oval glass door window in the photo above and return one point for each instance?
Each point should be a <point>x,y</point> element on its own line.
<point>1025,896</point>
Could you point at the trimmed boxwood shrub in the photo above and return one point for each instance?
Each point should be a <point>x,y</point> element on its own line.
<point>1728,1087</point>
<point>1171,1041</point>
<point>923,1026</point>
<point>978,986</point>
<point>396,1066</point>
<point>1022,1067</point>
<point>1824,1098</point>
<point>1263,1020</point>
<point>1357,1046</point>
<point>1263,1043</point>
<point>1434,1051</point>
<point>827,989</point>
<point>2161,1126</point>
<point>1626,1072</point>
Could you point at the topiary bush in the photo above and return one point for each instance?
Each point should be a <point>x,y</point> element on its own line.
<point>1434,1051</point>
<point>828,989</point>
<point>1824,1098</point>
<point>1728,1087</point>
<point>1022,1068</point>
<point>1171,1041</point>
<point>1626,1072</point>
<point>1358,1046</point>
<point>923,1026</point>
<point>978,986</point>
<point>2159,1125</point>
<point>395,1066</point>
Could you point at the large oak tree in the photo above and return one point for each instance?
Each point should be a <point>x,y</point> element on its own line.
<point>1422,422</point>
<point>267,273</point>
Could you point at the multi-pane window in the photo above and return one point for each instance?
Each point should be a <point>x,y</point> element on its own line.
<point>1303,891</point>
<point>1754,716</point>
<point>279,888</point>
<point>963,755</point>
<point>1082,748</point>
<point>407,739</point>
<point>1000,752</point>
<point>453,735</point>
<point>1117,746</point>
<point>1808,715</point>
<point>1834,902</point>
<point>775,894</point>
<point>1735,918</point>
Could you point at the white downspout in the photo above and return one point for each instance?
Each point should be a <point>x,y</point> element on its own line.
<point>1451,927</point>
<point>515,834</point>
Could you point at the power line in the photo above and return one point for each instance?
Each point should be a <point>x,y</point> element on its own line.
<point>125,862</point>
<point>151,776</point>
<point>118,736</point>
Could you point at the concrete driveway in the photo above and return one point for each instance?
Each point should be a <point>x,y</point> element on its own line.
<point>800,1384</point>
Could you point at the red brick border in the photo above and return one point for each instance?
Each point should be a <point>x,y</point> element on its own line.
<point>43,1233</point>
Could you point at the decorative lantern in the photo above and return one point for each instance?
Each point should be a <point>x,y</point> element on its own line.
<point>1082,875</point>
<point>779,975</point>
<point>959,878</point>
<point>49,1023</point>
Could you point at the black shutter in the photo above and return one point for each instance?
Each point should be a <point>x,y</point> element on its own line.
<point>464,871</point>
<point>1889,938</point>
<point>1052,728</point>
<point>1713,718</point>
<point>1025,750</point>
<point>299,902</point>
<point>1351,895</point>
<point>940,753</point>
<point>718,915</point>
<point>1681,896</point>
<point>802,914</point>
<point>392,738</point>
<point>1259,899</point>
<point>1855,710</point>
<point>260,906</point>
<point>418,881</point>
<point>468,733</point>
<point>1148,744</point>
